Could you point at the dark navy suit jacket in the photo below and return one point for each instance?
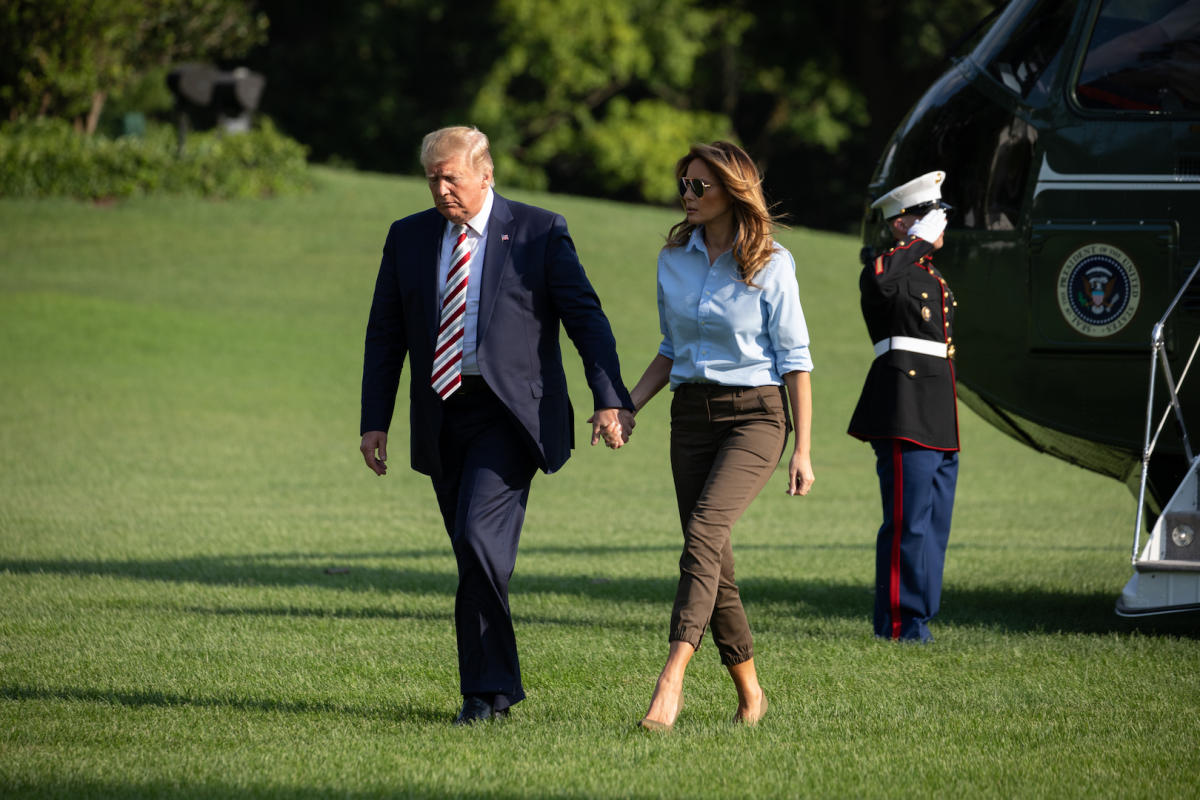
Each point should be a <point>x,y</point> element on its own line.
<point>532,283</point>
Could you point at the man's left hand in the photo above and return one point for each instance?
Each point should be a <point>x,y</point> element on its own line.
<point>606,425</point>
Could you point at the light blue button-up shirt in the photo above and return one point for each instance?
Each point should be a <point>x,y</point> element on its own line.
<point>716,329</point>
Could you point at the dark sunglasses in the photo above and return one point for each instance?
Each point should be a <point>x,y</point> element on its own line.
<point>695,184</point>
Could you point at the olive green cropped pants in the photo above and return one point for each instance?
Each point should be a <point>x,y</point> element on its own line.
<point>725,444</point>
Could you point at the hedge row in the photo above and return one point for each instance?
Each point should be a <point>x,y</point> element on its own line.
<point>43,158</point>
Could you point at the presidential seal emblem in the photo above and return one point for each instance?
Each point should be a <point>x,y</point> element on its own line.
<point>1098,290</point>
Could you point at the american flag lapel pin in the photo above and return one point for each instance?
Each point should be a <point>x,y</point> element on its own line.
<point>504,237</point>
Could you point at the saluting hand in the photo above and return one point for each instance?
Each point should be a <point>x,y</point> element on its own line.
<point>929,227</point>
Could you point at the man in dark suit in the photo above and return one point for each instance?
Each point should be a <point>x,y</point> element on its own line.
<point>473,291</point>
<point>908,408</point>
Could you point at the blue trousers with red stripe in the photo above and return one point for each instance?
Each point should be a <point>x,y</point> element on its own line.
<point>917,487</point>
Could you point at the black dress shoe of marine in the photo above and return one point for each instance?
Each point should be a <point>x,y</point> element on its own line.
<point>474,710</point>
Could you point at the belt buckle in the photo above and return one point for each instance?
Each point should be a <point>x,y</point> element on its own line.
<point>471,384</point>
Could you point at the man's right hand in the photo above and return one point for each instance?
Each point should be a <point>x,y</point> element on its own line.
<point>374,450</point>
<point>929,227</point>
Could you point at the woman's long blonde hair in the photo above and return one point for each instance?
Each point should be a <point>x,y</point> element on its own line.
<point>752,220</point>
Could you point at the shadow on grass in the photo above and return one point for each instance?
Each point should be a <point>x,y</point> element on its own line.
<point>152,699</point>
<point>62,786</point>
<point>1002,608</point>
<point>587,621</point>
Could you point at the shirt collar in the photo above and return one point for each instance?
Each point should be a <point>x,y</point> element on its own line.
<point>478,223</point>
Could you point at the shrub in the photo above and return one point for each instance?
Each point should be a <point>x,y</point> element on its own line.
<point>42,158</point>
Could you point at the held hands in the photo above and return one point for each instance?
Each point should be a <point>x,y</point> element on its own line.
<point>930,227</point>
<point>613,425</point>
<point>625,417</point>
<point>375,442</point>
<point>800,475</point>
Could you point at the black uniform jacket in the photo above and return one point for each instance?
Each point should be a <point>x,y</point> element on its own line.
<point>908,395</point>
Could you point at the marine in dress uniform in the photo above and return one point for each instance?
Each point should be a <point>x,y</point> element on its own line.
<point>908,411</point>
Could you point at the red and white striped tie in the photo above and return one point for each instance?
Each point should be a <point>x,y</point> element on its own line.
<point>447,357</point>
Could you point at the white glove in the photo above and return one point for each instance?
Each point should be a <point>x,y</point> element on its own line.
<point>930,226</point>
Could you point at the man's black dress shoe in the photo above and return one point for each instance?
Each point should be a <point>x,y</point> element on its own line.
<point>474,710</point>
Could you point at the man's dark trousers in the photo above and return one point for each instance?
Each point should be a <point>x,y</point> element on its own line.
<point>482,492</point>
<point>917,487</point>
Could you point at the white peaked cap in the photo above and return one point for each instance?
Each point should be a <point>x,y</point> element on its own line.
<point>917,192</point>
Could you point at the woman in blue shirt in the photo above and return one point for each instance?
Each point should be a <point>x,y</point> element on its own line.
<point>735,354</point>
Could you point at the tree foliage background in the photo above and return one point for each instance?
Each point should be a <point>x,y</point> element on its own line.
<point>67,58</point>
<point>601,97</point>
<point>593,97</point>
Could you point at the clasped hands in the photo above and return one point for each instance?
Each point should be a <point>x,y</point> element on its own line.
<point>613,425</point>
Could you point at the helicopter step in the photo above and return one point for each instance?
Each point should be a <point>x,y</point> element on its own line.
<point>1166,575</point>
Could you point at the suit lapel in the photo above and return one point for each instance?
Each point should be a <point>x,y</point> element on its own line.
<point>426,251</point>
<point>495,261</point>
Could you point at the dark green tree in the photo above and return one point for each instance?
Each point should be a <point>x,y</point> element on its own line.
<point>595,93</point>
<point>361,81</point>
<point>816,89</point>
<point>65,58</point>
<point>601,96</point>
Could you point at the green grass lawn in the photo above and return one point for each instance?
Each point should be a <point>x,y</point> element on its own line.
<point>179,473</point>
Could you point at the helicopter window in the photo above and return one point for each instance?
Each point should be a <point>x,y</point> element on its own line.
<point>1143,56</point>
<point>1024,42</point>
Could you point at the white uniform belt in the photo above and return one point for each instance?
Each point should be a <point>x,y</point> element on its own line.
<point>923,346</point>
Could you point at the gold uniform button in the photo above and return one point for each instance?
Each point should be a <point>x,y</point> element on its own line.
<point>912,373</point>
<point>950,351</point>
<point>926,313</point>
<point>955,304</point>
<point>924,295</point>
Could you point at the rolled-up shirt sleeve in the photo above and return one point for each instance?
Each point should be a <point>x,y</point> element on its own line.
<point>785,322</point>
<point>666,349</point>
